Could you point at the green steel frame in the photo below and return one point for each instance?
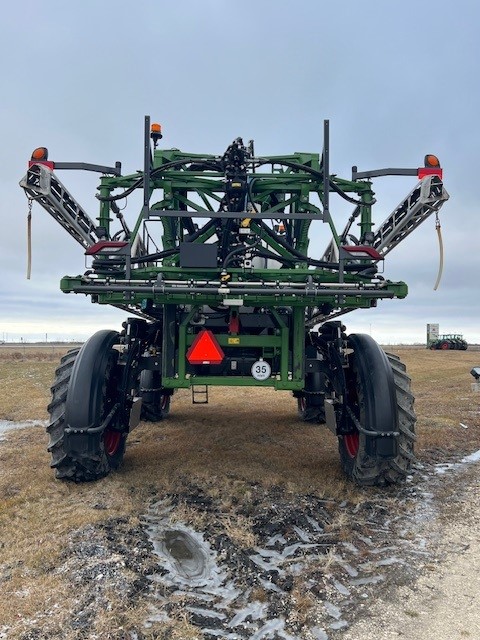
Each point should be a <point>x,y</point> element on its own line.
<point>257,213</point>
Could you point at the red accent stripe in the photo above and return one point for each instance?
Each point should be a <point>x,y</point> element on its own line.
<point>46,163</point>
<point>428,171</point>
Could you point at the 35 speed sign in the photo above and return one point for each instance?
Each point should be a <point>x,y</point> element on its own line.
<point>261,370</point>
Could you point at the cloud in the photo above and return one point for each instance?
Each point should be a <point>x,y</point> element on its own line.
<point>396,81</point>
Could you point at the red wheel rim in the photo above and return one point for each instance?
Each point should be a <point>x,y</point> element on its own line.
<point>111,441</point>
<point>445,346</point>
<point>351,444</point>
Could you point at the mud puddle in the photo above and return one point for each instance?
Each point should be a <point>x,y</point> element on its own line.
<point>316,564</point>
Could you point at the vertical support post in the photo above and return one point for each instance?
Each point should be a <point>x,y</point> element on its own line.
<point>298,344</point>
<point>326,170</point>
<point>284,346</point>
<point>169,341</point>
<point>147,167</point>
<point>104,218</point>
<point>366,223</point>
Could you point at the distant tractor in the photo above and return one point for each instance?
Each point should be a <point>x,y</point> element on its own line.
<point>217,273</point>
<point>449,342</point>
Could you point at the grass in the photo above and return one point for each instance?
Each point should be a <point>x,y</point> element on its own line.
<point>241,439</point>
<point>441,383</point>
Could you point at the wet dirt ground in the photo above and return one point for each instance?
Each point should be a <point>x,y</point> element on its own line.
<point>304,578</point>
<point>299,567</point>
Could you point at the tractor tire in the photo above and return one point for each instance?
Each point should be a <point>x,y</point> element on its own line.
<point>105,453</point>
<point>358,462</point>
<point>155,400</point>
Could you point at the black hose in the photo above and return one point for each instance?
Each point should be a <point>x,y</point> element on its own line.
<point>300,256</point>
<point>250,195</point>
<point>138,183</point>
<point>242,249</point>
<point>313,172</point>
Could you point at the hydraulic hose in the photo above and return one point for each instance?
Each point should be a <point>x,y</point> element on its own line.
<point>440,247</point>
<point>243,249</point>
<point>313,172</point>
<point>139,182</point>
<point>301,256</point>
<point>29,240</point>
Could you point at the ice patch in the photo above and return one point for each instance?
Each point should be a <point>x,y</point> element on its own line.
<point>332,610</point>
<point>341,588</point>
<point>363,581</point>
<point>339,624</point>
<point>442,468</point>
<point>473,457</point>
<point>9,425</point>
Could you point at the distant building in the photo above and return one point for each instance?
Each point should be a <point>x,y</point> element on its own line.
<point>432,333</point>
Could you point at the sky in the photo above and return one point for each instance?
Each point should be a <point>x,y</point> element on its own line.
<point>397,80</point>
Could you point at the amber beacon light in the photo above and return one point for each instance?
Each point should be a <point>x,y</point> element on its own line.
<point>40,153</point>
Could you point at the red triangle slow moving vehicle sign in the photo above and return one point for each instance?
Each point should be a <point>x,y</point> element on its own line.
<point>205,349</point>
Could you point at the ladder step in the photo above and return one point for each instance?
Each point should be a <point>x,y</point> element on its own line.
<point>199,394</point>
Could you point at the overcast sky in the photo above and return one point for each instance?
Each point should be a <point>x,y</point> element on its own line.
<point>396,79</point>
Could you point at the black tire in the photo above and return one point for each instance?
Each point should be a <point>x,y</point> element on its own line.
<point>359,463</point>
<point>155,399</point>
<point>102,454</point>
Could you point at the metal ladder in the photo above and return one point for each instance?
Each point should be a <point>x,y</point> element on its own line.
<point>199,394</point>
<point>42,185</point>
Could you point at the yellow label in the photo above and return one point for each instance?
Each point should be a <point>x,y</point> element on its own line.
<point>233,340</point>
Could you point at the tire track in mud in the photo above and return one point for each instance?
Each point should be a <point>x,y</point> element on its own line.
<point>315,567</point>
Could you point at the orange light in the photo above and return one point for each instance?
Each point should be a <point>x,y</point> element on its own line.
<point>156,128</point>
<point>431,161</point>
<point>40,153</point>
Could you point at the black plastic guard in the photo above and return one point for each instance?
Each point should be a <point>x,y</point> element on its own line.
<point>81,445</point>
<point>84,396</point>
<point>378,384</point>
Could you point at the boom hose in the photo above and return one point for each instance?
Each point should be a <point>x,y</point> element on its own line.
<point>29,240</point>
<point>440,248</point>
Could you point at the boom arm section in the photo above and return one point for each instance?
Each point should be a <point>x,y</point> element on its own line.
<point>233,231</point>
<point>426,198</point>
<point>42,185</point>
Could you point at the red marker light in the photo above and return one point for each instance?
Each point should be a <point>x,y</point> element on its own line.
<point>106,247</point>
<point>364,252</point>
<point>205,349</point>
<point>432,167</point>
<point>429,171</point>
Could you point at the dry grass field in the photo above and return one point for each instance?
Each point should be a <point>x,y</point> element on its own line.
<point>243,445</point>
